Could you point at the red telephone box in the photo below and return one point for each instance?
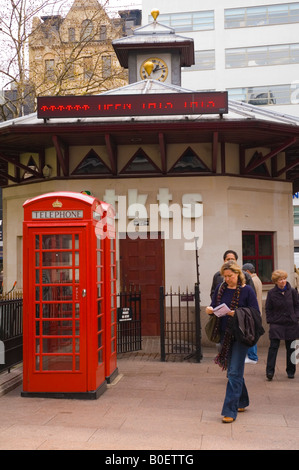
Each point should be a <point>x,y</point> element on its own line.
<point>69,325</point>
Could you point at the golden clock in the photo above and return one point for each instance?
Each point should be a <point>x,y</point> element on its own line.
<point>154,68</point>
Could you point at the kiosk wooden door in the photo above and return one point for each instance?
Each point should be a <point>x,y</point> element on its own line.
<point>142,264</point>
<point>57,304</point>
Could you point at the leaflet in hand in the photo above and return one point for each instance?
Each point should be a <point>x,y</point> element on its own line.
<point>221,310</point>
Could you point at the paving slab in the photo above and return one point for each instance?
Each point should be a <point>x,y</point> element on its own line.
<point>156,406</point>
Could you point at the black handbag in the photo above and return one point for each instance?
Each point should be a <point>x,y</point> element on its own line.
<point>212,329</point>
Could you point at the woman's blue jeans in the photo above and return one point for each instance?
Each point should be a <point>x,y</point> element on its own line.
<point>236,391</point>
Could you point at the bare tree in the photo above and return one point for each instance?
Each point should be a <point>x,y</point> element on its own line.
<point>47,52</point>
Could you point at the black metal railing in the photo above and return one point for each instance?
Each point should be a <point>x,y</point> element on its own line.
<point>180,325</point>
<point>11,331</point>
<point>129,321</point>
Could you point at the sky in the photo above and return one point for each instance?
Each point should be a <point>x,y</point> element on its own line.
<point>114,5</point>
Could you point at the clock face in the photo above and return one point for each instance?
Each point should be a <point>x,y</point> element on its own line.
<point>158,71</point>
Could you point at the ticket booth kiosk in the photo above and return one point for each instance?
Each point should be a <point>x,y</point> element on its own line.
<point>69,319</point>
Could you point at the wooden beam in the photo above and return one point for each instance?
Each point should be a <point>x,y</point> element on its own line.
<point>112,152</point>
<point>288,167</point>
<point>8,176</point>
<point>60,156</point>
<point>272,154</point>
<point>20,165</point>
<point>214,152</point>
<point>163,152</point>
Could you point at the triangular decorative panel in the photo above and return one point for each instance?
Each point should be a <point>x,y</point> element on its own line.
<point>260,170</point>
<point>31,164</point>
<point>189,162</point>
<point>140,163</point>
<point>91,165</point>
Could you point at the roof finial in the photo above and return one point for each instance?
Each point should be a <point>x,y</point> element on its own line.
<point>155,14</point>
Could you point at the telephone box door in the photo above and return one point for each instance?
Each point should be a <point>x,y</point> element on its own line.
<point>57,309</point>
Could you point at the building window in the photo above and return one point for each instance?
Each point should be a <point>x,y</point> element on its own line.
<point>266,95</point>
<point>204,60</point>
<point>260,56</point>
<point>261,15</point>
<point>86,30</point>
<point>49,70</point>
<point>72,35</point>
<point>103,32</point>
<point>296,215</point>
<point>106,66</point>
<point>188,21</point>
<point>258,250</point>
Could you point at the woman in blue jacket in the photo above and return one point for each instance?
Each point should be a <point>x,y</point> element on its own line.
<point>282,313</point>
<point>234,293</point>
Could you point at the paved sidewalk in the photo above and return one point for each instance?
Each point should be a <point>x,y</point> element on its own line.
<point>159,406</point>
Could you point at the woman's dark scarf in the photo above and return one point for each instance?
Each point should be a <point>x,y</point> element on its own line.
<point>223,357</point>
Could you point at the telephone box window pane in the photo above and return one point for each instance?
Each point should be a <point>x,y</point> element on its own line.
<point>61,242</point>
<point>112,272</point>
<point>77,310</point>
<point>76,242</point>
<point>57,259</point>
<point>49,310</point>
<point>57,328</point>
<point>99,323</point>
<point>57,293</point>
<point>77,328</point>
<point>36,242</point>
<point>37,347</point>
<point>37,293</point>
<point>51,276</point>
<point>76,259</point>
<point>37,332</point>
<point>37,276</point>
<point>113,346</point>
<point>37,363</point>
<point>77,345</point>
<point>37,259</point>
<point>57,345</point>
<point>37,311</point>
<point>99,340</point>
<point>77,363</point>
<point>77,275</point>
<point>57,363</point>
<point>58,310</point>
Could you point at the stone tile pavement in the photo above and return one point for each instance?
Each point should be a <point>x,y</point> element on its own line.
<point>156,406</point>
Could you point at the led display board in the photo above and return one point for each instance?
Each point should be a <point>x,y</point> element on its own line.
<point>132,105</point>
